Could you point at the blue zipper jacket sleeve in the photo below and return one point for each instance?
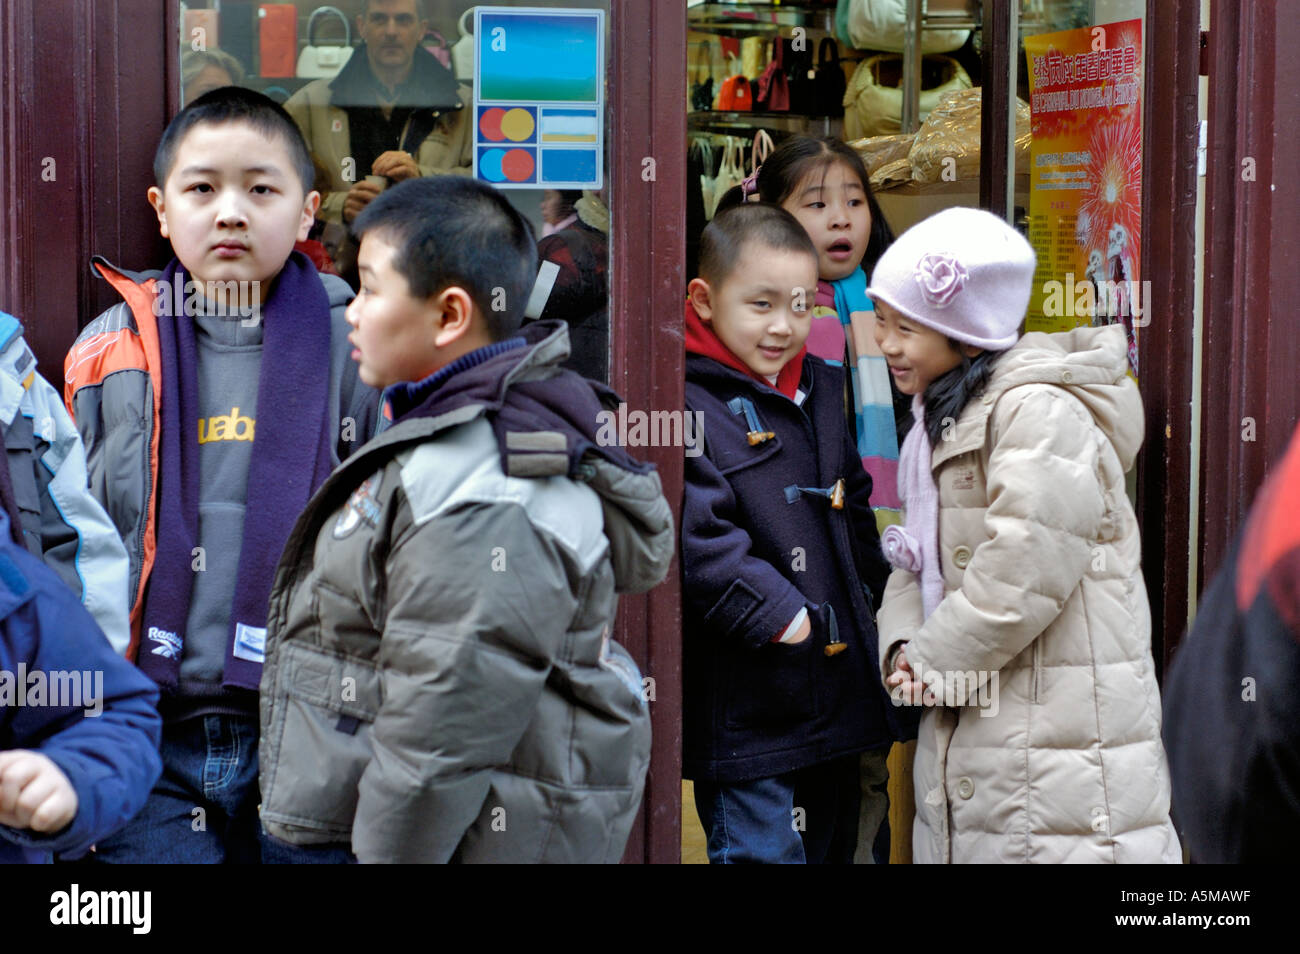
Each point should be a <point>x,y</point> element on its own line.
<point>107,741</point>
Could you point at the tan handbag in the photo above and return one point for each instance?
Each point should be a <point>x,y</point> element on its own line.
<point>873,103</point>
<point>753,56</point>
<point>730,174</point>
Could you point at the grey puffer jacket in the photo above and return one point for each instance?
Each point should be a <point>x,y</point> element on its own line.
<point>440,683</point>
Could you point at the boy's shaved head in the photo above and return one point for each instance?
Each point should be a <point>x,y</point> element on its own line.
<point>453,230</point>
<point>235,104</point>
<point>725,238</point>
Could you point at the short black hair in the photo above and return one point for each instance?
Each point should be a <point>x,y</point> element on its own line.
<point>724,239</point>
<point>231,104</point>
<point>452,230</point>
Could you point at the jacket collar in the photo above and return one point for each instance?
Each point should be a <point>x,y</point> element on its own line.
<point>430,85</point>
<point>968,433</point>
<point>410,397</point>
<point>702,340</point>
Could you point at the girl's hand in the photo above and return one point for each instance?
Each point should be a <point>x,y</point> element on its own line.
<point>902,683</point>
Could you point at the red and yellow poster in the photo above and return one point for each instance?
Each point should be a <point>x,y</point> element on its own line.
<point>1085,200</point>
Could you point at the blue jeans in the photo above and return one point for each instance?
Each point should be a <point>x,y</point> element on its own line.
<point>204,808</point>
<point>806,816</point>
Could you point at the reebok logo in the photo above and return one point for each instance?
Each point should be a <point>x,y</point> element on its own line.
<point>226,427</point>
<point>169,644</point>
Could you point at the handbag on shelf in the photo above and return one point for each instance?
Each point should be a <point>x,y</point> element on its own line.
<point>735,96</point>
<point>801,78</point>
<point>437,44</point>
<point>762,148</point>
<point>702,87</point>
<point>321,62</point>
<point>753,56</point>
<point>772,92</point>
<point>874,101</point>
<point>730,174</point>
<point>708,177</point>
<point>463,52</point>
<point>277,39</point>
<point>830,84</point>
<point>881,24</point>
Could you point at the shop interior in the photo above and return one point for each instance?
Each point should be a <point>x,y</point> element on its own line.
<point>901,82</point>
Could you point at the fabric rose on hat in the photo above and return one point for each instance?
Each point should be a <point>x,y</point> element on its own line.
<point>941,277</point>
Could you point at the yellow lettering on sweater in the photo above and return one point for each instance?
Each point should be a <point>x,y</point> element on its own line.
<point>226,427</point>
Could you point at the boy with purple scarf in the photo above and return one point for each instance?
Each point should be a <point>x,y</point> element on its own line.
<point>212,403</point>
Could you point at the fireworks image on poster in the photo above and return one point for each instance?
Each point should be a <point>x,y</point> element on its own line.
<point>1085,215</point>
<point>1114,195</point>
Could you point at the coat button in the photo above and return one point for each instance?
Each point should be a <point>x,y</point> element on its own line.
<point>987,399</point>
<point>1067,376</point>
<point>960,557</point>
<point>965,787</point>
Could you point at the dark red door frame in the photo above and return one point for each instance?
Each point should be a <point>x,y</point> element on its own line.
<point>1169,184</point>
<point>647,288</point>
<point>1252,349</point>
<point>84,85</point>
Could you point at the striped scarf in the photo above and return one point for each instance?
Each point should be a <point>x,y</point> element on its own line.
<point>843,318</point>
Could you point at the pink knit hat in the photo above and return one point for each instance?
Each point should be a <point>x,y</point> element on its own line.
<point>964,272</point>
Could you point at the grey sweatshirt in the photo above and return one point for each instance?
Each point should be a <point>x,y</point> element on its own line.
<point>229,363</point>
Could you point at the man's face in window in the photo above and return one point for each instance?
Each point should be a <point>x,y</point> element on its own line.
<point>392,29</point>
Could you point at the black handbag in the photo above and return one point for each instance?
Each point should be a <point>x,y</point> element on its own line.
<point>702,88</point>
<point>830,83</point>
<point>800,78</point>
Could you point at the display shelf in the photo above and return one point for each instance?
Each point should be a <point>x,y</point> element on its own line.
<point>750,19</point>
<point>712,120</point>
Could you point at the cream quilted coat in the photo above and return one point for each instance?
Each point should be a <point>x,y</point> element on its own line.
<point>1047,747</point>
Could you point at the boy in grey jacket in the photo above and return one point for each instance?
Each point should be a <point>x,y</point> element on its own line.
<point>440,682</point>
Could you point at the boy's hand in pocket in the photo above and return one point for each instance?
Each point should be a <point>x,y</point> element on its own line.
<point>802,633</point>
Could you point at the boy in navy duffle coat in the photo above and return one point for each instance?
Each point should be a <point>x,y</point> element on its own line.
<point>782,565</point>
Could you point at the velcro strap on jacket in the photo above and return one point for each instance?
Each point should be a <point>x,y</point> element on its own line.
<point>536,454</point>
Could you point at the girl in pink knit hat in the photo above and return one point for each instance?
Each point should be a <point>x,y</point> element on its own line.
<point>1016,612</point>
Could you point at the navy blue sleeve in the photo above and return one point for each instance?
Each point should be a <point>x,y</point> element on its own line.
<point>737,594</point>
<point>98,720</point>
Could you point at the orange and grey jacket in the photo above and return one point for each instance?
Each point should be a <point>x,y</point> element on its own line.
<point>112,383</point>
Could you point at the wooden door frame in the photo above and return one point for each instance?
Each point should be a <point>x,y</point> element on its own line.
<point>1168,258</point>
<point>647,367</point>
<point>1250,400</point>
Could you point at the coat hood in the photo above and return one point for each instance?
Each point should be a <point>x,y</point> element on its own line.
<point>546,420</point>
<point>1090,363</point>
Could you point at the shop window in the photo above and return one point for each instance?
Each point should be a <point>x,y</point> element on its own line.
<point>385,89</point>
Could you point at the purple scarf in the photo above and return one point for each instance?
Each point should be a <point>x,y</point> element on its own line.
<point>916,548</point>
<point>291,458</point>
